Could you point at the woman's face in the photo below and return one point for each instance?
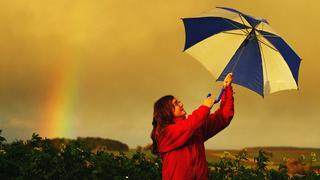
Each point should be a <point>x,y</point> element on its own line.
<point>178,110</point>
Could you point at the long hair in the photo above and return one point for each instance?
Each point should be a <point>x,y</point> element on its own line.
<point>162,116</point>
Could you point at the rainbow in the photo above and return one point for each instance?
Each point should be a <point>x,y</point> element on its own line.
<point>59,106</point>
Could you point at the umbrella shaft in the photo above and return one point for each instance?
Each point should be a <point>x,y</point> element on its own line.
<point>219,97</point>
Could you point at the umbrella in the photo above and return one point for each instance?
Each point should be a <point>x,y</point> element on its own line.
<point>225,40</point>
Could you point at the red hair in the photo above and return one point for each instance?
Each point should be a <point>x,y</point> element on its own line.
<point>162,116</point>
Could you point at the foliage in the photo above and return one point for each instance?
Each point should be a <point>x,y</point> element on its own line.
<point>262,160</point>
<point>2,139</point>
<point>234,168</point>
<point>230,168</point>
<point>39,158</point>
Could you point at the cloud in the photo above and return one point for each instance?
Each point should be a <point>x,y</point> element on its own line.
<point>17,123</point>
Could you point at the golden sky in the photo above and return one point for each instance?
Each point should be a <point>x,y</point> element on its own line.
<point>98,66</point>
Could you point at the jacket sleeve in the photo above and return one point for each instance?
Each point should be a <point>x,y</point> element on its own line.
<point>221,118</point>
<point>175,135</point>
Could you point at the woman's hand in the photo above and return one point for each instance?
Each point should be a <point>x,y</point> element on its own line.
<point>209,102</point>
<point>227,80</point>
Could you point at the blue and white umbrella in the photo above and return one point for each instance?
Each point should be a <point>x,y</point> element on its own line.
<point>225,40</point>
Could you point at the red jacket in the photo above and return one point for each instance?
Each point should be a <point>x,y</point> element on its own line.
<point>181,145</point>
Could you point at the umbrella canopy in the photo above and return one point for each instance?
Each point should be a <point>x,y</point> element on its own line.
<point>225,40</point>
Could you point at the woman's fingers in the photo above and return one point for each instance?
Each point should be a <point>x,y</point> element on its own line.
<point>228,80</point>
<point>209,102</point>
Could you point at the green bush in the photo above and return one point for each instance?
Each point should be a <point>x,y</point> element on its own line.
<point>39,158</point>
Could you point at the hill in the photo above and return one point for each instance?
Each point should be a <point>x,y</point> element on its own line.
<point>94,143</point>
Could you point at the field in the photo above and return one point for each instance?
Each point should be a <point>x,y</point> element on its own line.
<point>277,154</point>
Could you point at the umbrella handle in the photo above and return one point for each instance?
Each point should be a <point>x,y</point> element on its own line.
<point>219,97</point>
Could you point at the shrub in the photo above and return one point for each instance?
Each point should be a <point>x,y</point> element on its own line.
<point>40,158</point>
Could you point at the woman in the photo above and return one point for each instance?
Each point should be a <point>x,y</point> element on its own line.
<point>180,140</point>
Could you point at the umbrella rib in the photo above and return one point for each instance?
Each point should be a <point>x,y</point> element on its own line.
<point>234,33</point>
<point>268,45</point>
<point>268,36</point>
<point>264,64</point>
<point>234,66</point>
<point>234,25</point>
<point>243,23</point>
